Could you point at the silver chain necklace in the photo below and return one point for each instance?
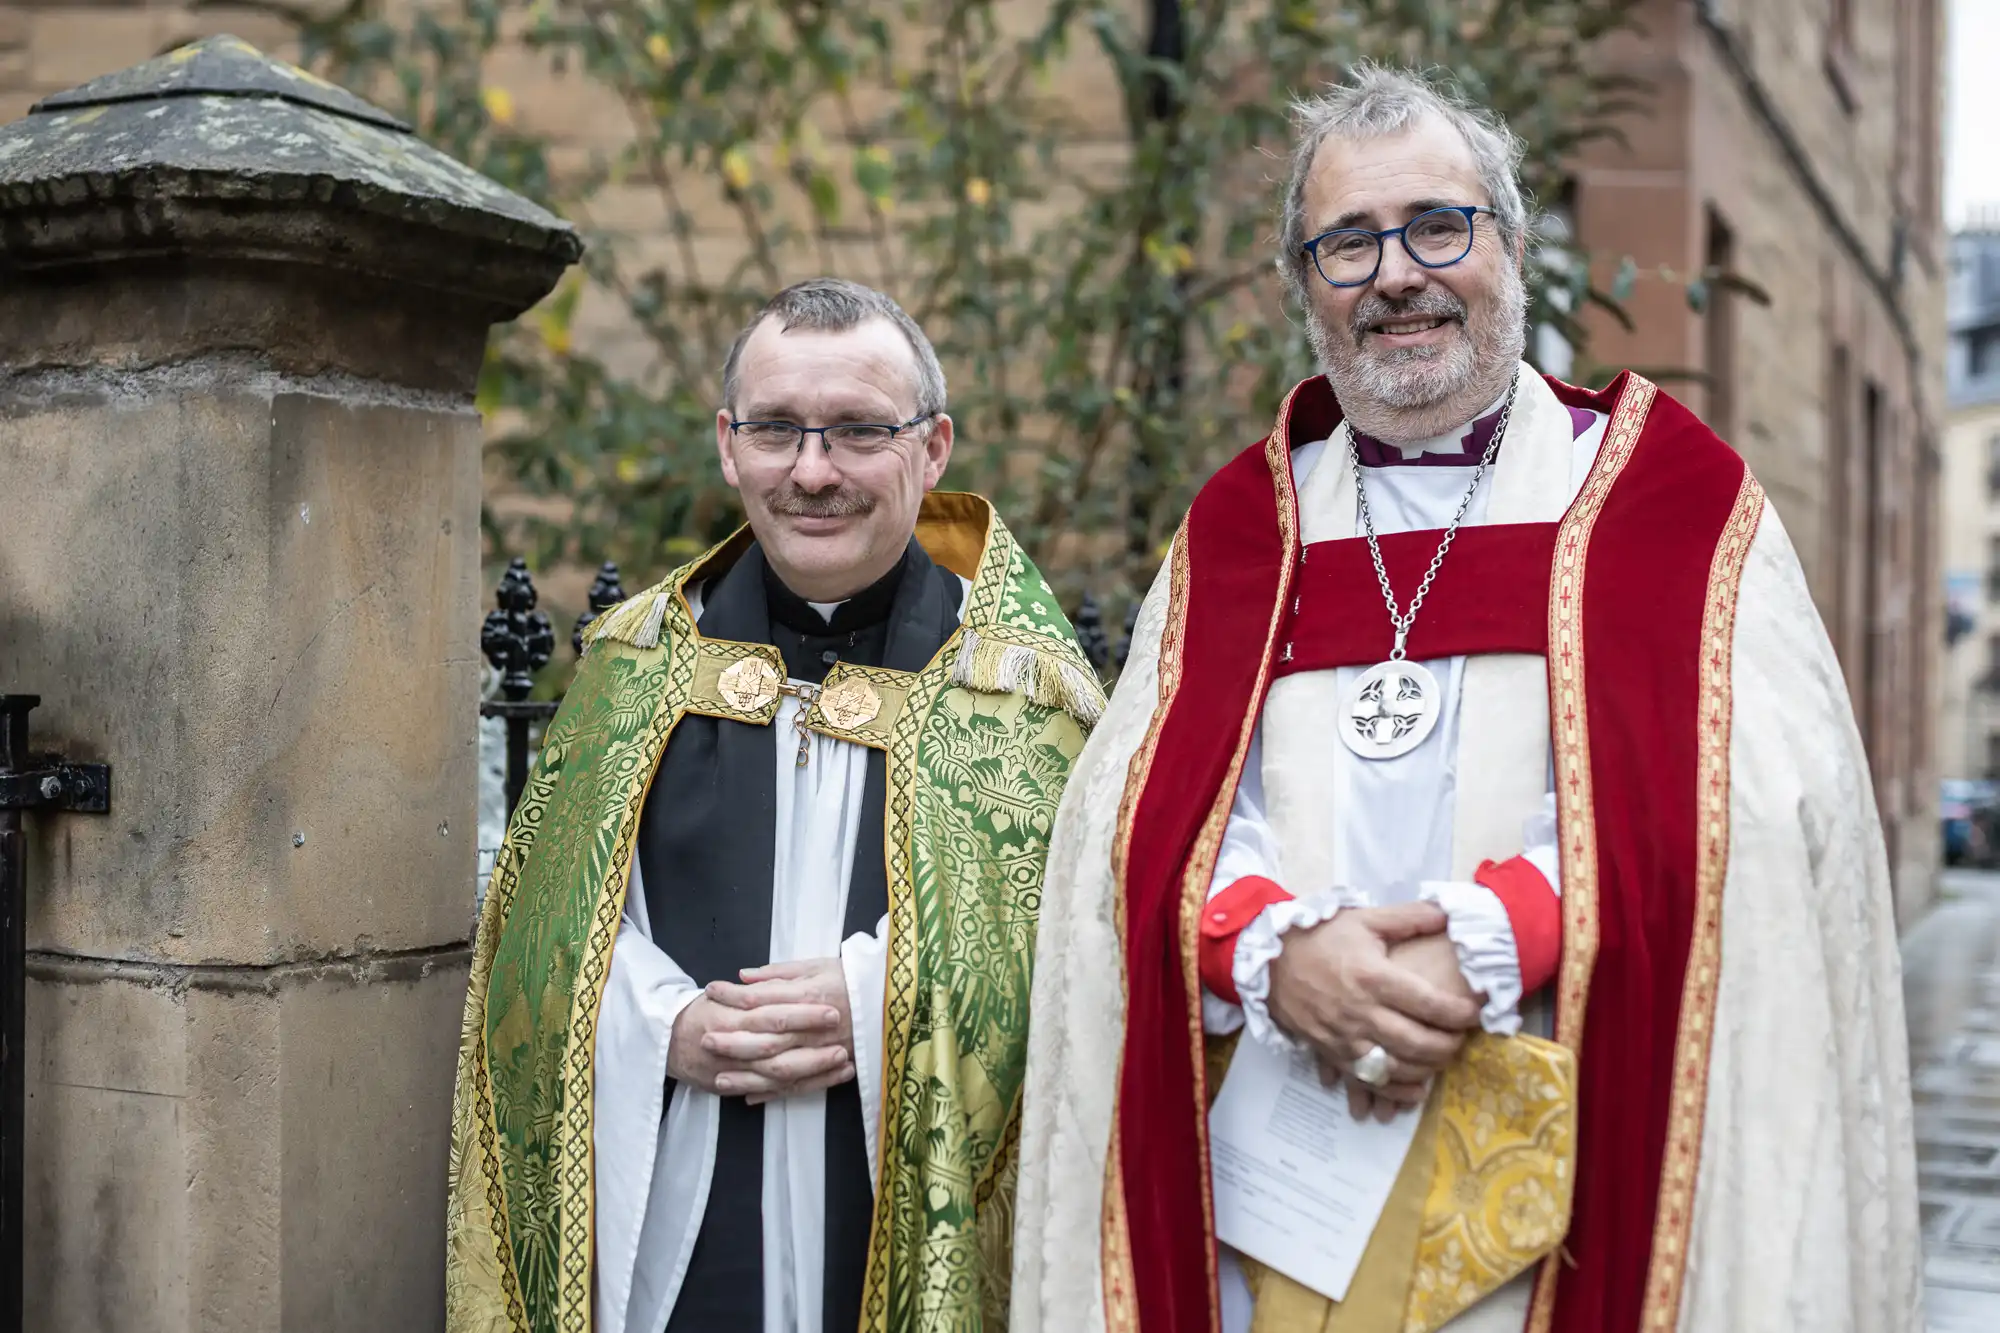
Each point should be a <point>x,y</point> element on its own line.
<point>1394,705</point>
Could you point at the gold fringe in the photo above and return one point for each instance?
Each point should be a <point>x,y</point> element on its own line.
<point>1047,678</point>
<point>636,621</point>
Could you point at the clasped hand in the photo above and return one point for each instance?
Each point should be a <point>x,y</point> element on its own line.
<point>1375,976</point>
<point>786,1029</point>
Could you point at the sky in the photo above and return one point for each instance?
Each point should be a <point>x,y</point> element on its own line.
<point>1972,110</point>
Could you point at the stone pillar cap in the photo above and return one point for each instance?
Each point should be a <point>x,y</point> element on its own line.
<point>217,150</point>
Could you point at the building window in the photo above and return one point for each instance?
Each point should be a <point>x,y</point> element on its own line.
<point>1993,464</point>
<point>1719,326</point>
<point>1993,754</point>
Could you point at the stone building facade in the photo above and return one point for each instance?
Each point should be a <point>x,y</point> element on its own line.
<point>1792,142</point>
<point>1969,722</point>
<point>1796,143</point>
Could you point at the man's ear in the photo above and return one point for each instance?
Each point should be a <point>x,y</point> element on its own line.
<point>722,448</point>
<point>937,450</point>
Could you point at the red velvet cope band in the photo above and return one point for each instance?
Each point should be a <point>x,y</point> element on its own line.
<point>1644,583</point>
<point>1492,596</point>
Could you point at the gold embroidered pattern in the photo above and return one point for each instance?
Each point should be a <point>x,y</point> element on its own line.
<point>575,1143</point>
<point>738,682</point>
<point>1506,1167</point>
<point>749,685</point>
<point>1689,1095</point>
<point>974,782</point>
<point>1570,737</point>
<point>877,696</point>
<point>849,704</point>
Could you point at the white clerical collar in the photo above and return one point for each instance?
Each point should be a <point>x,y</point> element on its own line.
<point>826,609</point>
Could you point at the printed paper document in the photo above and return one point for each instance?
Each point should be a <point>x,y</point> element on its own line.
<point>1299,1183</point>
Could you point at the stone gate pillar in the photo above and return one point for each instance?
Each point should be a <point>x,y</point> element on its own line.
<point>241,316</point>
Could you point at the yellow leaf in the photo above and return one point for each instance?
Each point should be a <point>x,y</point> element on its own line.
<point>1181,258</point>
<point>1237,333</point>
<point>736,169</point>
<point>499,104</point>
<point>629,470</point>
<point>659,48</point>
<point>812,144</point>
<point>979,192</point>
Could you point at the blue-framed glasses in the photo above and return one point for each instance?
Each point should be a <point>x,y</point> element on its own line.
<point>1351,256</point>
<point>850,442</point>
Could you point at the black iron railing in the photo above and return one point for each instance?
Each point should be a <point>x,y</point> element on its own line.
<point>27,782</point>
<point>518,640</point>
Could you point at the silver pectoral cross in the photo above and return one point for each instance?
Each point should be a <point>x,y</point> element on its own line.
<point>1391,709</point>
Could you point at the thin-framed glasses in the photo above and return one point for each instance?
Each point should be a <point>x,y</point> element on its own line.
<point>1351,256</point>
<point>850,442</point>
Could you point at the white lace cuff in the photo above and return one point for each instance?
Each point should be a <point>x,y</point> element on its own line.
<point>1261,942</point>
<point>1488,958</point>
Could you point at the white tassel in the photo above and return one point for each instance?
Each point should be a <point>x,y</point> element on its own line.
<point>1017,669</point>
<point>649,628</point>
<point>968,652</point>
<point>1085,697</point>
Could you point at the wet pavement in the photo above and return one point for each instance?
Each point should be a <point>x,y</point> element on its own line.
<point>1951,986</point>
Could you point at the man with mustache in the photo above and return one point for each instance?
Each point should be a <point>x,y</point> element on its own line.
<point>1480,756</point>
<point>747,1021</point>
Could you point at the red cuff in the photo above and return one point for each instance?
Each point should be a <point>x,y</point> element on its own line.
<point>1534,911</point>
<point>1222,921</point>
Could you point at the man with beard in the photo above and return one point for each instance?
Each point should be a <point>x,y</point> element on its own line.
<point>1481,752</point>
<point>748,1008</point>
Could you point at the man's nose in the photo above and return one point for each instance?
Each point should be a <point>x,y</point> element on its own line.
<point>813,469</point>
<point>1399,276</point>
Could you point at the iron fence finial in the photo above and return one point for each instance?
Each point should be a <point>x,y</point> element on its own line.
<point>517,639</point>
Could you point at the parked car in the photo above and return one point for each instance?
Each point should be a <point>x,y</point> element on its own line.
<point>1969,810</point>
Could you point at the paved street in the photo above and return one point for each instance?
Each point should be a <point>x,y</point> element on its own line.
<point>1951,966</point>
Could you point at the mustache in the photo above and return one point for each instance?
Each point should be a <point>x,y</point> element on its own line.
<point>820,504</point>
<point>1433,303</point>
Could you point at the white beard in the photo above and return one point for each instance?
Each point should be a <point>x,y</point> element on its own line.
<point>1415,393</point>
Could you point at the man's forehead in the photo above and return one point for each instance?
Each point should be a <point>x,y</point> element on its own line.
<point>875,343</point>
<point>1391,176</point>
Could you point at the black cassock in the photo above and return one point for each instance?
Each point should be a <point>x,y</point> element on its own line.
<point>706,843</point>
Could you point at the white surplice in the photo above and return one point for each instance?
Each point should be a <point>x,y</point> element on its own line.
<point>1805,1201</point>
<point>653,1170</point>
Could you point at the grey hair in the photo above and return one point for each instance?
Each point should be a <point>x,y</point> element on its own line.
<point>1376,100</point>
<point>834,305</point>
